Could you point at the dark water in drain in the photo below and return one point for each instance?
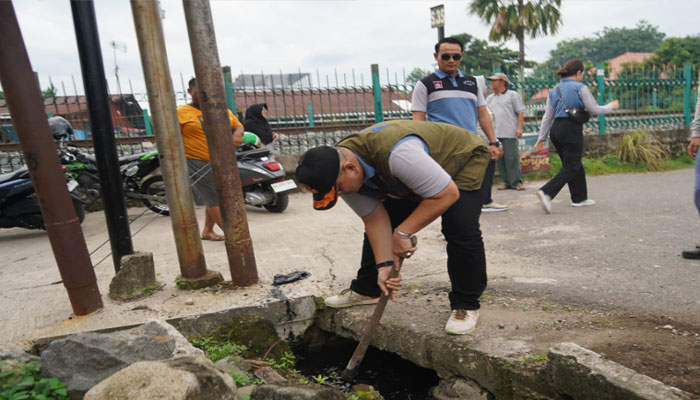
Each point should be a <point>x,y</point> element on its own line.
<point>394,377</point>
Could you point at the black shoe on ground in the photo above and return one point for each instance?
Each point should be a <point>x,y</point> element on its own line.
<point>691,254</point>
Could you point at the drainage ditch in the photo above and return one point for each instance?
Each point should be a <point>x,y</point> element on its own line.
<point>393,377</point>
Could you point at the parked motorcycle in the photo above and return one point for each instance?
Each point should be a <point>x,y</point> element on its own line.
<point>134,172</point>
<point>19,206</point>
<point>263,179</point>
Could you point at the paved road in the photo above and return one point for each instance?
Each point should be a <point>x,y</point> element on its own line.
<point>622,253</point>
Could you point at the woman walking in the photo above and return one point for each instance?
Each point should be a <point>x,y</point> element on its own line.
<point>568,98</point>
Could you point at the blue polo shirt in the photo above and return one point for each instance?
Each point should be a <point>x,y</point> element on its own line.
<point>450,99</point>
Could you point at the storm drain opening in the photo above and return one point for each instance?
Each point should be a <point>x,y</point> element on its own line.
<point>323,357</point>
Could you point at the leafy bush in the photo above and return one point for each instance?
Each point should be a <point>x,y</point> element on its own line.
<point>215,351</point>
<point>245,379</point>
<point>27,383</point>
<point>639,147</point>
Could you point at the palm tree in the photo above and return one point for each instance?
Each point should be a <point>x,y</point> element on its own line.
<point>516,18</point>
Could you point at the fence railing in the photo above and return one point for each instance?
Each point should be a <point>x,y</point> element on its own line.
<point>308,109</point>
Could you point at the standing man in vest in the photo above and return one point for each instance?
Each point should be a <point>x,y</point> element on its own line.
<point>399,176</point>
<point>508,108</point>
<point>197,155</point>
<point>450,96</point>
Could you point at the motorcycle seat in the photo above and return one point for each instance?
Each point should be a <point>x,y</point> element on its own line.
<point>16,174</point>
<point>256,153</point>
<point>130,158</point>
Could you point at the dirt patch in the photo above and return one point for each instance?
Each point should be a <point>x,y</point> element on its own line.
<point>660,348</point>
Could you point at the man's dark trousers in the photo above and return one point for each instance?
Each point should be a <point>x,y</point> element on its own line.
<point>466,260</point>
<point>487,184</point>
<point>567,137</point>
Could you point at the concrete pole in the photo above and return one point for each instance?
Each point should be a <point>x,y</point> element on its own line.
<point>212,98</point>
<point>29,119</point>
<point>161,97</point>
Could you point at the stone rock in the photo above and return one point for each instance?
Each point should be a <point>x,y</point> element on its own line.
<point>459,389</point>
<point>296,392</point>
<point>269,375</point>
<point>137,273</point>
<point>182,378</point>
<point>233,365</point>
<point>13,352</point>
<point>577,370</point>
<point>256,333</point>
<point>83,360</point>
<point>366,392</point>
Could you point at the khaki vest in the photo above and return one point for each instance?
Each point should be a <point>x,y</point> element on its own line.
<point>462,154</point>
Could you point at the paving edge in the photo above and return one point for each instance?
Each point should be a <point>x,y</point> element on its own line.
<point>290,317</point>
<point>505,367</point>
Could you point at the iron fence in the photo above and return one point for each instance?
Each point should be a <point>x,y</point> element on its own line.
<point>307,109</point>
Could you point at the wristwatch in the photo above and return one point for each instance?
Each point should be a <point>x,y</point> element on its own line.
<point>497,144</point>
<point>411,236</point>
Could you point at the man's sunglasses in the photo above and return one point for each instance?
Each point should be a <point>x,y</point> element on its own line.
<point>446,57</point>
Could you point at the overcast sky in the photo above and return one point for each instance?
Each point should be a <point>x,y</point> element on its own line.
<point>328,36</point>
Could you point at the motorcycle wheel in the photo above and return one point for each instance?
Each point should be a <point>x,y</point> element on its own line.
<point>280,204</point>
<point>154,186</point>
<point>79,210</point>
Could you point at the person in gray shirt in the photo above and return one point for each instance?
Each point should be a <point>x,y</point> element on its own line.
<point>508,108</point>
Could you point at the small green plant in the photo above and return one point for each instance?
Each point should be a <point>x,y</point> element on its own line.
<point>286,361</point>
<point>486,297</point>
<point>27,383</point>
<point>129,293</point>
<point>640,147</point>
<point>537,358</point>
<point>148,290</point>
<point>569,308</point>
<point>245,379</point>
<point>548,307</point>
<point>320,379</point>
<point>304,381</point>
<point>215,351</point>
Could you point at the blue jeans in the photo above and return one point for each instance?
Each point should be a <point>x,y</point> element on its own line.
<point>696,192</point>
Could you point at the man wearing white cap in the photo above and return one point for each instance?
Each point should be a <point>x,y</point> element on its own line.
<point>508,109</point>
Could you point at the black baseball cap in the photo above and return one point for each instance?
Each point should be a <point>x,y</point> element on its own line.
<point>318,171</point>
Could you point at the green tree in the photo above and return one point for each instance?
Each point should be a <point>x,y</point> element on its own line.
<point>607,44</point>
<point>49,92</point>
<point>518,18</point>
<point>677,51</point>
<point>416,75</point>
<point>481,58</point>
<point>2,94</point>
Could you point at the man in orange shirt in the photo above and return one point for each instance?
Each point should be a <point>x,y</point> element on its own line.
<point>197,155</point>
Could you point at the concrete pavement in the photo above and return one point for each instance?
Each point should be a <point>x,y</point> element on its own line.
<point>622,253</point>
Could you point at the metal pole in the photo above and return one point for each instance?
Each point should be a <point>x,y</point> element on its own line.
<point>377,89</point>
<point>27,110</point>
<point>441,33</point>
<point>161,97</point>
<point>687,72</point>
<point>230,95</point>
<point>102,131</point>
<point>212,97</point>
<point>600,72</point>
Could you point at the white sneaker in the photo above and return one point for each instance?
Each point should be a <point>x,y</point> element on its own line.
<point>587,202</point>
<point>546,201</point>
<point>462,322</point>
<point>494,207</point>
<point>348,298</point>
